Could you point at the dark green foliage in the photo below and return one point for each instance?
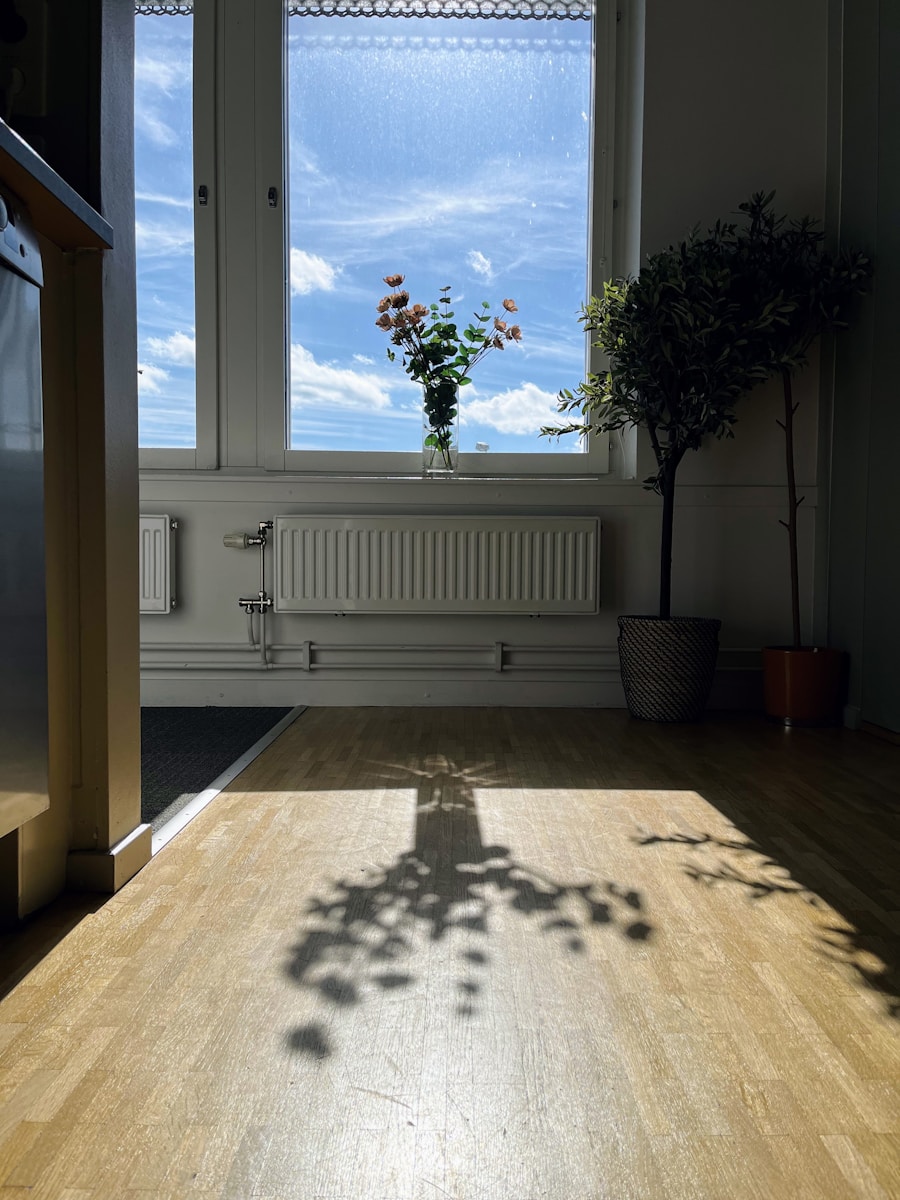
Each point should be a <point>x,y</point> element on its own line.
<point>703,322</point>
<point>683,346</point>
<point>684,342</point>
<point>785,262</point>
<point>815,291</point>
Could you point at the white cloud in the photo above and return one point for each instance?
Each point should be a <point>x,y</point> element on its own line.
<point>157,198</point>
<point>364,360</point>
<point>179,348</point>
<point>154,128</point>
<point>480,264</point>
<point>498,190</point>
<point>304,161</point>
<point>151,379</point>
<point>521,410</point>
<point>564,344</point>
<point>315,383</point>
<point>162,240</point>
<point>441,206</point>
<point>163,75</point>
<point>310,273</point>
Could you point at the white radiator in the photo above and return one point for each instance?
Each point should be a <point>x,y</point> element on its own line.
<point>156,564</point>
<point>437,564</point>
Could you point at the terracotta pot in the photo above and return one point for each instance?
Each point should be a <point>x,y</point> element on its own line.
<point>803,687</point>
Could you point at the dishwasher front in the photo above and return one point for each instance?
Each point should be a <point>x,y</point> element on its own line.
<point>23,621</point>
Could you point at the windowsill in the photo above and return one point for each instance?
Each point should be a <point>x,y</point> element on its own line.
<point>293,464</point>
<point>239,474</point>
<point>333,492</point>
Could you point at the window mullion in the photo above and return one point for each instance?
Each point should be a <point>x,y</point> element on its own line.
<point>235,91</point>
<point>600,264</point>
<point>271,233</point>
<point>206,229</point>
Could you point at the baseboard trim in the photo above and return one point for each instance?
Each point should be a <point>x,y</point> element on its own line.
<point>733,689</point>
<point>852,717</point>
<point>886,735</point>
<point>108,870</point>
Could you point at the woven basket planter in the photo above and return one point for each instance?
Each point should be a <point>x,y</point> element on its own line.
<point>668,665</point>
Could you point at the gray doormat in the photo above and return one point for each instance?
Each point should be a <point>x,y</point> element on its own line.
<point>184,749</point>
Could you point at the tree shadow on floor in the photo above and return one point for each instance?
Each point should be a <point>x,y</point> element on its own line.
<point>374,932</point>
<point>864,945</point>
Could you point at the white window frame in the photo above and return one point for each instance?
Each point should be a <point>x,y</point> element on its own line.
<point>241,248</point>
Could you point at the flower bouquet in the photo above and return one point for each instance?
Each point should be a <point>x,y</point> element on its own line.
<point>437,355</point>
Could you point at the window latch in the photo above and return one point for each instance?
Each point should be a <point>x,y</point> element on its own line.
<point>273,197</point>
<point>203,195</point>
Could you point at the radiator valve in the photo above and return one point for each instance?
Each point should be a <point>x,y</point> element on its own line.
<point>262,601</point>
<point>243,541</point>
<point>254,604</point>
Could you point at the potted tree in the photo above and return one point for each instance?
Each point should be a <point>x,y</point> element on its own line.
<point>684,340</point>
<point>785,262</point>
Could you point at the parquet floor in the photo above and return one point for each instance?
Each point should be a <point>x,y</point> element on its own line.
<point>413,954</point>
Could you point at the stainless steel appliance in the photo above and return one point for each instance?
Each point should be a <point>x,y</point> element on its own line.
<point>23,625</point>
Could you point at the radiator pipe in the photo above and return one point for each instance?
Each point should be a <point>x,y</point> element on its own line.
<point>179,666</point>
<point>479,666</point>
<point>245,666</point>
<point>263,600</point>
<point>447,646</point>
<point>236,647</point>
<point>253,646</point>
<point>263,654</point>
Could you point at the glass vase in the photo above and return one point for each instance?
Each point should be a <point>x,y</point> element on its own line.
<point>440,430</point>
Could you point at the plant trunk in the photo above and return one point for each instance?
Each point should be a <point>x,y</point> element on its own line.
<point>793,505</point>
<point>665,555</point>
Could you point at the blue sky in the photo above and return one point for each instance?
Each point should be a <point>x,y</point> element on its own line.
<point>164,230</point>
<point>451,151</point>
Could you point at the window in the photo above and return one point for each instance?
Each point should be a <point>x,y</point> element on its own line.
<point>455,150</point>
<point>164,228</point>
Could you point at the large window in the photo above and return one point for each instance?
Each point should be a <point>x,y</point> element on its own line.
<point>454,150</point>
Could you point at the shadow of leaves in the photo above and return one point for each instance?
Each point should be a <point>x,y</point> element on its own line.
<point>450,880</point>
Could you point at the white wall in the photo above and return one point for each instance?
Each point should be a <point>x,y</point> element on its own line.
<point>733,101</point>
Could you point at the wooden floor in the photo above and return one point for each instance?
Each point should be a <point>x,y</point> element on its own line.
<point>486,955</point>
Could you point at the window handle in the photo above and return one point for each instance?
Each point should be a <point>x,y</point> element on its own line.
<point>203,195</point>
<point>272,196</point>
